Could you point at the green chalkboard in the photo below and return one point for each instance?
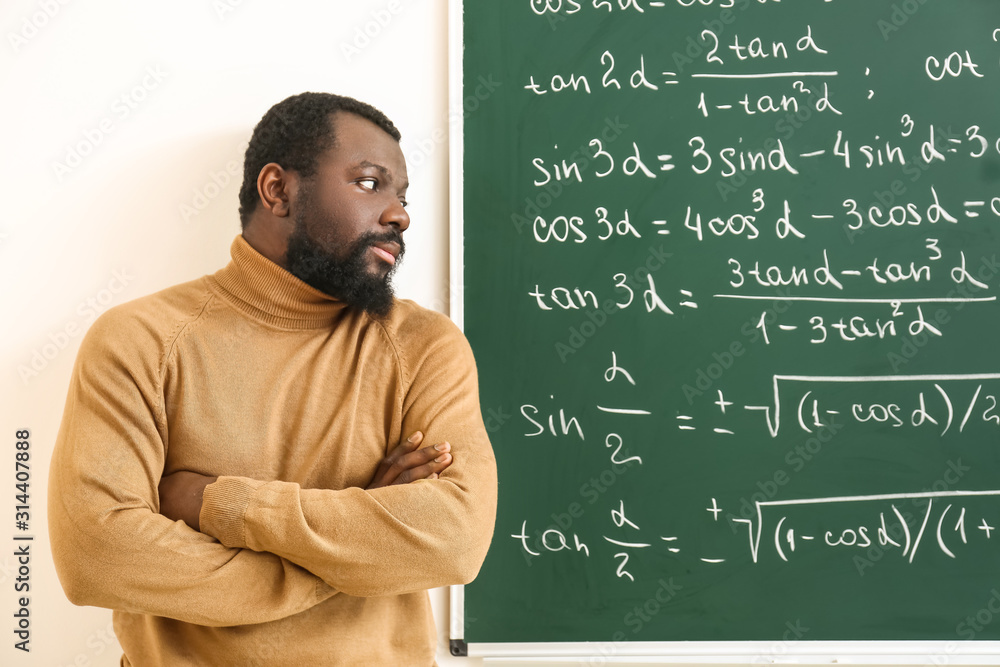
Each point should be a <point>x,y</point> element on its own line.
<point>730,275</point>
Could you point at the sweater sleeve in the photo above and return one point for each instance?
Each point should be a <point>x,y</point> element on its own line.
<point>395,539</point>
<point>110,545</point>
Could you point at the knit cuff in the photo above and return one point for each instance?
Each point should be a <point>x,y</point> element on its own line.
<point>223,506</point>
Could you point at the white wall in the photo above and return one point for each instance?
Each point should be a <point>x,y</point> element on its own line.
<point>157,100</point>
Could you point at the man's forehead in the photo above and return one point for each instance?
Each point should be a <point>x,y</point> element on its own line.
<point>362,143</point>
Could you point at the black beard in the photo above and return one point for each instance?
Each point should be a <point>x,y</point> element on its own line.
<point>346,278</point>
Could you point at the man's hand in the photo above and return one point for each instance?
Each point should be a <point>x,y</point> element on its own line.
<point>406,463</point>
<point>181,496</point>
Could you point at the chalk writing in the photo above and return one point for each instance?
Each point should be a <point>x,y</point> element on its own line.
<point>771,294</point>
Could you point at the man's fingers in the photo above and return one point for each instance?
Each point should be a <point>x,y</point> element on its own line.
<point>405,447</point>
<point>385,474</point>
<point>407,462</point>
<point>428,470</point>
<point>415,465</point>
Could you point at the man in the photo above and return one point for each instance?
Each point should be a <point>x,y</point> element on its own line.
<point>239,472</point>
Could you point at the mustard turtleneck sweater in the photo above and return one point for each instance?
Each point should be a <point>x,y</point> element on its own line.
<point>293,399</point>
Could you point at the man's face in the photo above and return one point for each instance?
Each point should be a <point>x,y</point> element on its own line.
<point>349,217</point>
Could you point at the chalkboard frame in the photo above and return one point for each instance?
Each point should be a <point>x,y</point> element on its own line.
<point>910,652</point>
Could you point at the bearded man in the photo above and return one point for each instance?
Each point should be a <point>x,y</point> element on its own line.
<point>272,464</point>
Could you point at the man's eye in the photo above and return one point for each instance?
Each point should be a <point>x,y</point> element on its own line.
<point>368,183</point>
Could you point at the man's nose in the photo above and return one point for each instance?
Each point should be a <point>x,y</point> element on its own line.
<point>397,216</point>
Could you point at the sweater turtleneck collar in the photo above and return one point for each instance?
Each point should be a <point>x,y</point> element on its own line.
<point>267,292</point>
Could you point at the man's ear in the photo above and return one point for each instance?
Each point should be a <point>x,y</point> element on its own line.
<point>272,222</point>
<point>276,187</point>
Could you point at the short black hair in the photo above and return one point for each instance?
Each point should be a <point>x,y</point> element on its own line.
<point>293,133</point>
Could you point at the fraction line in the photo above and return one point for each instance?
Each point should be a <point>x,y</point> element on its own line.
<point>771,75</point>
<point>751,297</point>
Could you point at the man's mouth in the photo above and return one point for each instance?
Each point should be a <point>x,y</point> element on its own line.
<point>387,250</point>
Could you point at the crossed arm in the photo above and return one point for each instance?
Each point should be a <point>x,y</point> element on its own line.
<point>115,546</point>
<point>182,492</point>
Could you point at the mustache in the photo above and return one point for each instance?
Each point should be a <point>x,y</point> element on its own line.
<point>391,236</point>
